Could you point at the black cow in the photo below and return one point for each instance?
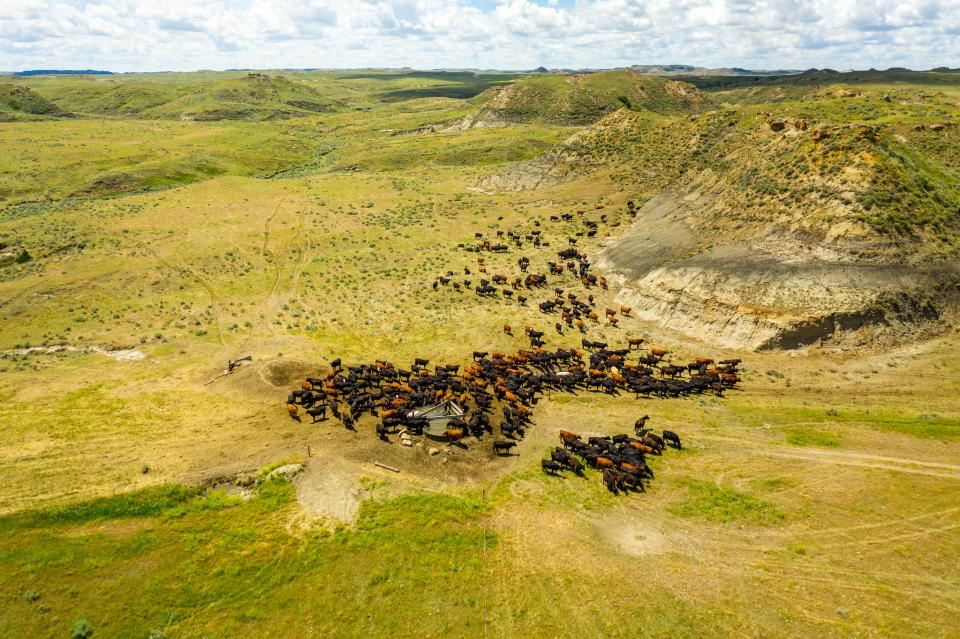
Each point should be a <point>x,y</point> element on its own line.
<point>500,446</point>
<point>670,438</point>
<point>550,467</point>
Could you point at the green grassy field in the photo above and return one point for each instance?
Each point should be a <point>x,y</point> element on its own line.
<point>820,499</point>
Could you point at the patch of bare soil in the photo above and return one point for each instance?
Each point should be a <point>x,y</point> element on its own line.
<point>636,538</point>
<point>329,489</point>
<point>119,354</point>
<point>284,372</point>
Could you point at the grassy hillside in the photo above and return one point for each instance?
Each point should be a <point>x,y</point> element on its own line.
<point>251,96</point>
<point>19,102</point>
<point>583,99</point>
<point>882,162</point>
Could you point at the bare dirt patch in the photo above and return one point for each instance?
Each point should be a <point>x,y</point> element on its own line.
<point>636,538</point>
<point>284,372</point>
<point>329,489</point>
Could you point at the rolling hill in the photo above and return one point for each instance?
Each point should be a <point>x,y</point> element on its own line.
<point>253,96</point>
<point>578,100</point>
<point>749,215</point>
<point>19,102</point>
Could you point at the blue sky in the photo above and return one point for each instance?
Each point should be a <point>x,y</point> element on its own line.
<point>150,35</point>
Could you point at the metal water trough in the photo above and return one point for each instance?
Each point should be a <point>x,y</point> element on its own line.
<point>438,417</point>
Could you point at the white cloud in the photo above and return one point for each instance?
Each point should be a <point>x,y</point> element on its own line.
<point>129,35</point>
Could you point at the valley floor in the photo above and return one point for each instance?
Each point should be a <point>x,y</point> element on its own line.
<point>820,498</point>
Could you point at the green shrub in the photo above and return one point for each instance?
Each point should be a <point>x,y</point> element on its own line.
<point>82,629</point>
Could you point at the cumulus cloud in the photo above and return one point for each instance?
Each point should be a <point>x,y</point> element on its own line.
<point>143,35</point>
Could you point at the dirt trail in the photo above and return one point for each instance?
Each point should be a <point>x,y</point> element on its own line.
<point>847,458</point>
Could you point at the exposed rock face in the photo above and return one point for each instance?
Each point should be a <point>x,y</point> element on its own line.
<point>758,295</point>
<point>545,170</point>
<point>286,472</point>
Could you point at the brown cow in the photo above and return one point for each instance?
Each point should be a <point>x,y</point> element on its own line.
<point>603,462</point>
<point>610,311</point>
<point>642,448</point>
<point>625,310</point>
<point>453,434</point>
<point>613,320</point>
<point>507,329</point>
<point>635,342</point>
<point>565,434</point>
<point>293,411</point>
<point>658,352</point>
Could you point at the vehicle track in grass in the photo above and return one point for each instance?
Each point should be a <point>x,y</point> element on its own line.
<point>269,302</point>
<point>192,274</point>
<point>941,470</point>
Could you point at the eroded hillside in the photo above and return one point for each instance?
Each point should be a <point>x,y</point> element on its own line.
<point>784,230</point>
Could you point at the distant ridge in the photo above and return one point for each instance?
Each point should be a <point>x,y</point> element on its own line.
<point>62,72</point>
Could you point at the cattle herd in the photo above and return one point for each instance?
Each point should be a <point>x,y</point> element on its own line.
<point>505,388</point>
<point>621,458</point>
<point>495,387</point>
<point>571,268</point>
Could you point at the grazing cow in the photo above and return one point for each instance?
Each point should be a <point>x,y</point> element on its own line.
<point>550,467</point>
<point>293,410</point>
<point>317,411</point>
<point>670,438</point>
<point>575,465</point>
<point>560,455</point>
<point>640,424</point>
<point>454,434</point>
<point>509,430</point>
<point>654,442</point>
<point>629,480</point>
<point>501,446</point>
<point>603,462</point>
<point>610,481</point>
<point>382,431</point>
<point>643,448</point>
<point>507,329</point>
